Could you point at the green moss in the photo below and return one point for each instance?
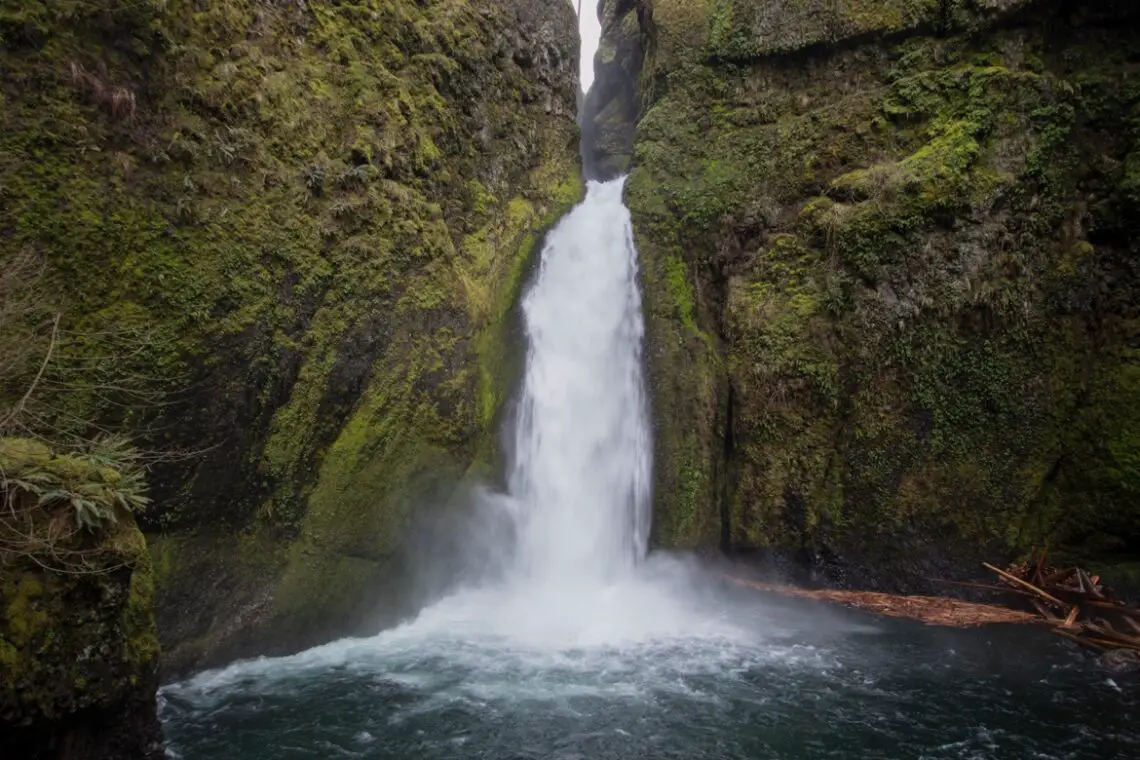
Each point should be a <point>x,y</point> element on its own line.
<point>376,453</point>
<point>77,640</point>
<point>138,614</point>
<point>9,657</point>
<point>1123,442</point>
<point>164,557</point>
<point>683,371</point>
<point>318,231</point>
<point>684,525</point>
<point>19,453</point>
<point>881,241</point>
<point>741,29</point>
<point>678,284</point>
<point>26,619</point>
<point>524,224</point>
<point>1103,437</point>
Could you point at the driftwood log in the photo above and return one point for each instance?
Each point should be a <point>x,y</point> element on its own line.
<point>1072,603</point>
<point>932,610</point>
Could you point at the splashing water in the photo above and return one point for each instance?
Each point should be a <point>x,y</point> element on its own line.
<point>580,464</point>
<point>576,582</point>
<point>582,647</point>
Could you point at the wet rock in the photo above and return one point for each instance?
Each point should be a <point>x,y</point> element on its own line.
<point>319,214</point>
<point>610,111</point>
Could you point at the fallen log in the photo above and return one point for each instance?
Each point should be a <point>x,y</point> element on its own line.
<point>931,610</point>
<point>1045,613</point>
<point>1020,581</point>
<point>1113,628</point>
<point>1091,616</point>
<point>982,586</point>
<point>1058,577</point>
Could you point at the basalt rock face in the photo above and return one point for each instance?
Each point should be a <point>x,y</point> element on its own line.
<point>319,215</point>
<point>888,252</point>
<point>79,658</point>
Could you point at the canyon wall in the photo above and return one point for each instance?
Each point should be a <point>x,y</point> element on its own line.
<point>888,254</point>
<point>283,241</point>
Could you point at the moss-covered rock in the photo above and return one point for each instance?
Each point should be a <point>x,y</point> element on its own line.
<point>318,214</point>
<point>78,651</point>
<point>890,295</point>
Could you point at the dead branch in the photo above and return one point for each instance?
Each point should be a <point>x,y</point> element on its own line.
<point>19,408</point>
<point>1026,584</point>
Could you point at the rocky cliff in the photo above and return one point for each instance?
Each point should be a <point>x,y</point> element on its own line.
<point>888,251</point>
<point>295,229</point>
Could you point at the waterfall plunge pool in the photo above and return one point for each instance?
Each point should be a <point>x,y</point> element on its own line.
<point>662,665</point>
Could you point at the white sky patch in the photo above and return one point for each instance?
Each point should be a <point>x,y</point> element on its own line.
<point>591,30</point>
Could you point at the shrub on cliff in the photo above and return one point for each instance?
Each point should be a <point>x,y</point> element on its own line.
<point>77,632</point>
<point>51,501</point>
<point>94,483</point>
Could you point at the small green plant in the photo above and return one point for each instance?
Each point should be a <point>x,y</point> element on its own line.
<point>95,482</point>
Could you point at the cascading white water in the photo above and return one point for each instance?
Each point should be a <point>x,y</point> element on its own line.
<point>569,605</point>
<point>581,461</point>
<point>570,613</point>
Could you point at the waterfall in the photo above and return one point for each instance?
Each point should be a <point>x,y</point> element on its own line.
<point>566,605</point>
<point>581,459</point>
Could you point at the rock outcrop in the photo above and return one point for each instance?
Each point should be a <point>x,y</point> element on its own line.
<point>298,229</point>
<point>888,250</point>
<point>79,657</point>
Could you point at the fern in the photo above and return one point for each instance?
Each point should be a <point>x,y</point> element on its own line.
<point>90,493</point>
